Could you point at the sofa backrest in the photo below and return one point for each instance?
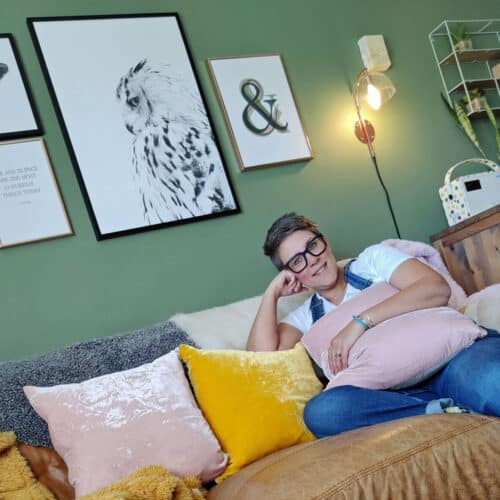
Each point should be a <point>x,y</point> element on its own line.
<point>228,326</point>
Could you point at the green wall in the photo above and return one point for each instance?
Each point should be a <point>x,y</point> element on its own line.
<point>58,292</point>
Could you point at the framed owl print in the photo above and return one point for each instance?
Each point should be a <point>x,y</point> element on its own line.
<point>135,121</point>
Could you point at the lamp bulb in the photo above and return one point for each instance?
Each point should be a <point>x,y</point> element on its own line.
<point>373,96</point>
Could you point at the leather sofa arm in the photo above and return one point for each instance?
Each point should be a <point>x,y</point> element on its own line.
<point>431,456</point>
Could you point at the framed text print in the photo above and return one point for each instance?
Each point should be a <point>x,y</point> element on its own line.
<point>135,121</point>
<point>260,110</point>
<point>18,116</point>
<point>31,207</point>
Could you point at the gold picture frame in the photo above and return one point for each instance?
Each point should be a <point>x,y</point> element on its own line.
<point>31,206</point>
<point>260,110</point>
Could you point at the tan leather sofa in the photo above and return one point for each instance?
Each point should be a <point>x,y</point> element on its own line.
<point>429,457</point>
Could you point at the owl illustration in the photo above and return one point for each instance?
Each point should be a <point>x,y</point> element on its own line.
<point>177,166</point>
<point>4,69</point>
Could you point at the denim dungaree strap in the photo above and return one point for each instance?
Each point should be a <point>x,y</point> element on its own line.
<point>316,307</point>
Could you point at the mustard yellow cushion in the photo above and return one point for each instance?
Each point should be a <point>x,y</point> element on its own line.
<point>253,401</point>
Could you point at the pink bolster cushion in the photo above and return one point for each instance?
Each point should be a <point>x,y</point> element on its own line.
<point>396,353</point>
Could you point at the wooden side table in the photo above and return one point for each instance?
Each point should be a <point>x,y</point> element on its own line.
<point>471,250</point>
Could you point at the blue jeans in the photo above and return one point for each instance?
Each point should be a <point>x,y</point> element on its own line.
<point>470,380</point>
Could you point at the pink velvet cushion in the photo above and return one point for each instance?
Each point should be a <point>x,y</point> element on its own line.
<point>109,426</point>
<point>396,353</point>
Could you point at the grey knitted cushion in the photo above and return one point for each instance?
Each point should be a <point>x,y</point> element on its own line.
<point>74,364</point>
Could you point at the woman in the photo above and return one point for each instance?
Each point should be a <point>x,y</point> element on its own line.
<point>305,261</point>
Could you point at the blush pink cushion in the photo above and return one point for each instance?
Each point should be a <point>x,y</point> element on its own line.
<point>109,426</point>
<point>396,353</point>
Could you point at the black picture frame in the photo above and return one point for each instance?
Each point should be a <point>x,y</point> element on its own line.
<point>19,117</point>
<point>131,106</point>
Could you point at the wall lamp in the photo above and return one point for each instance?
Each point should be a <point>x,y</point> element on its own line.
<point>375,88</point>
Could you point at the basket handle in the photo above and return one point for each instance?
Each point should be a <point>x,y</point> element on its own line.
<point>483,161</point>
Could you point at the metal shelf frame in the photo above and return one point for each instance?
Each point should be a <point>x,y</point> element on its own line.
<point>442,42</point>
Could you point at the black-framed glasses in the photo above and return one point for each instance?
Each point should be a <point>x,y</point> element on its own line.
<point>299,262</point>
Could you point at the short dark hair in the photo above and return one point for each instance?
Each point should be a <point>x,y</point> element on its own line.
<point>281,229</point>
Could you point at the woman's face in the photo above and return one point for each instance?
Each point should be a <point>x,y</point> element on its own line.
<point>321,271</point>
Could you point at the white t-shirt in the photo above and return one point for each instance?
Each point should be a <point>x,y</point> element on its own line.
<point>376,263</point>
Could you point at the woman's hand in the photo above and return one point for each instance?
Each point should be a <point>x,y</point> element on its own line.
<point>266,334</point>
<point>338,352</point>
<point>285,283</point>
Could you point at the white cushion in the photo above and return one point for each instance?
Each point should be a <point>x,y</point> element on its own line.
<point>227,327</point>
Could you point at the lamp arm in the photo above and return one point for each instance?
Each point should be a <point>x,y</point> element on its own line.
<point>371,149</point>
<point>361,120</point>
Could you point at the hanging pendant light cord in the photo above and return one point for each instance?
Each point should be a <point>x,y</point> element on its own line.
<point>374,160</point>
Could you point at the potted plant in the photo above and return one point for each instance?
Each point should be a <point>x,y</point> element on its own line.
<point>474,101</point>
<point>495,71</point>
<point>463,121</point>
<point>461,38</point>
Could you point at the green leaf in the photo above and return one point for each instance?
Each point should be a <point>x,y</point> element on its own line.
<point>493,121</point>
<point>450,109</point>
<point>466,125</point>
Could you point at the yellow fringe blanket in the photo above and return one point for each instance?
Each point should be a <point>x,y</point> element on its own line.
<point>151,483</point>
<point>17,481</point>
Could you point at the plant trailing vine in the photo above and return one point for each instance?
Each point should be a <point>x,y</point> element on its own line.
<point>494,123</point>
<point>463,121</point>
